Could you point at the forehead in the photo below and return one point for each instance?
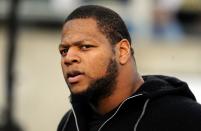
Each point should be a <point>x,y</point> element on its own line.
<point>82,29</point>
<point>80,24</point>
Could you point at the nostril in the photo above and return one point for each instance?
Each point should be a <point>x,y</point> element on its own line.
<point>71,59</point>
<point>74,61</point>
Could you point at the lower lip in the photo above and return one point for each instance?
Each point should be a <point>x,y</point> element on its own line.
<point>74,79</point>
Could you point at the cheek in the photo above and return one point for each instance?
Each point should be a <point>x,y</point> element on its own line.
<point>98,67</point>
<point>62,66</point>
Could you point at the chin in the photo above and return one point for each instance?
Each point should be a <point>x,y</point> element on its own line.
<point>78,89</point>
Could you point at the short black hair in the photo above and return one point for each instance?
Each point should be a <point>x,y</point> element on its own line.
<point>108,21</point>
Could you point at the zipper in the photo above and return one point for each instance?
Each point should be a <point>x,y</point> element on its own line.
<point>117,110</point>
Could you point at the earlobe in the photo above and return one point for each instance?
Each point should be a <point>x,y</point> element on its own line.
<point>124,51</point>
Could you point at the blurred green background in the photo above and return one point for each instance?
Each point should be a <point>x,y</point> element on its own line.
<point>166,38</point>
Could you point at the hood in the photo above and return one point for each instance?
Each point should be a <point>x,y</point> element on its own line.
<point>159,85</point>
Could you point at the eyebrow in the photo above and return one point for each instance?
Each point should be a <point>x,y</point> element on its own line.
<point>77,43</point>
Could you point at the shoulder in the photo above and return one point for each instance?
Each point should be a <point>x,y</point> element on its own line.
<point>175,106</point>
<point>176,103</point>
<point>64,120</point>
<point>173,112</point>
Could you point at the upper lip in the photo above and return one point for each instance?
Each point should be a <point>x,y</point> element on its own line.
<point>73,73</point>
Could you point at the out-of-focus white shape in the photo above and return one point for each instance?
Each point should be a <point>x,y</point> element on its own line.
<point>140,13</point>
<point>194,83</point>
<point>64,6</point>
<point>195,87</point>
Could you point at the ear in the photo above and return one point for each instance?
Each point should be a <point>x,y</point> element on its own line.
<point>124,51</point>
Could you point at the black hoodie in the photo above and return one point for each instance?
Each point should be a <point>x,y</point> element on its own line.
<point>161,104</point>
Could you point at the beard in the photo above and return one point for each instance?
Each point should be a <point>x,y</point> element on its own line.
<point>98,89</point>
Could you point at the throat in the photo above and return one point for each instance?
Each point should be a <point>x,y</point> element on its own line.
<point>118,95</point>
<point>106,106</point>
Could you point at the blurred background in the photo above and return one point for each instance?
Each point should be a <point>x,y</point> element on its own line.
<point>166,38</point>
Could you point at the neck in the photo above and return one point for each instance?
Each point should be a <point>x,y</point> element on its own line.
<point>122,92</point>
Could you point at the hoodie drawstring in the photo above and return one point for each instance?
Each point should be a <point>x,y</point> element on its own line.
<point>75,120</point>
<point>68,117</point>
<point>142,114</point>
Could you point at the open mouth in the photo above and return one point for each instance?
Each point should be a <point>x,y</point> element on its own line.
<point>74,76</point>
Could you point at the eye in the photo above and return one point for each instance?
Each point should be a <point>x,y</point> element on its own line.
<point>63,52</point>
<point>85,47</point>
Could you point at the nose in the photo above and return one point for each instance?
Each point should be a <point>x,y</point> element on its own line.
<point>72,57</point>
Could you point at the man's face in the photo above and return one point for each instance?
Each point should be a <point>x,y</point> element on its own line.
<point>85,54</point>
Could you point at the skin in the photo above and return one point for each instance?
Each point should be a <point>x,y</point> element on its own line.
<point>84,49</point>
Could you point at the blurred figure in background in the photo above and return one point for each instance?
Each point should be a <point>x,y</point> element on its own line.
<point>107,92</point>
<point>165,21</point>
<point>189,16</point>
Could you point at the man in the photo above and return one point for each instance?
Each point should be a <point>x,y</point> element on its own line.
<point>107,92</point>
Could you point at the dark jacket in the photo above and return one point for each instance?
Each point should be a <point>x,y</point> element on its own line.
<point>161,104</point>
